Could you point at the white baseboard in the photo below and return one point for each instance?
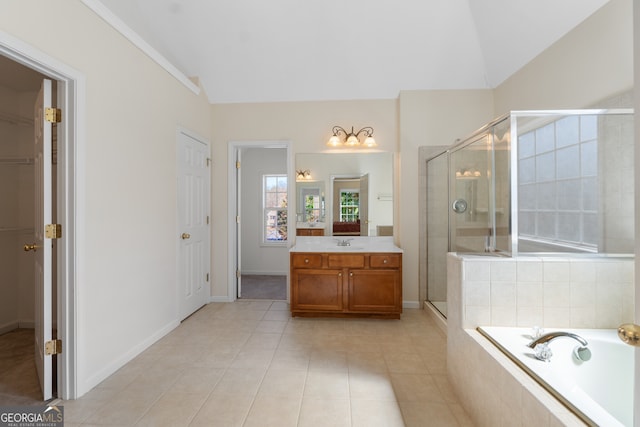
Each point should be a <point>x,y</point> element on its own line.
<point>21,324</point>
<point>221,299</point>
<point>9,326</point>
<point>29,324</point>
<point>128,356</point>
<point>410,304</point>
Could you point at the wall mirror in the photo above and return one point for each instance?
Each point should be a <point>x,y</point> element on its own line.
<point>355,193</point>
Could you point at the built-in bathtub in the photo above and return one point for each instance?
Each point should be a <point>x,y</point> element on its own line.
<point>599,391</point>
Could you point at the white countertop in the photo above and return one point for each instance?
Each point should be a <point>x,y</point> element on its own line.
<point>357,244</point>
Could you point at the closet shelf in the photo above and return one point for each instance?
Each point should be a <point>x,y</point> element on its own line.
<point>15,119</point>
<point>16,161</point>
<point>16,230</point>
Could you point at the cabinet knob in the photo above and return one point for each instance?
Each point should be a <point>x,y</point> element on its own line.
<point>306,260</point>
<point>351,274</point>
<point>385,261</point>
<point>339,274</point>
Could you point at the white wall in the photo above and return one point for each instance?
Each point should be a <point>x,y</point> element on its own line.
<point>256,257</point>
<point>16,209</point>
<point>592,62</point>
<point>129,238</point>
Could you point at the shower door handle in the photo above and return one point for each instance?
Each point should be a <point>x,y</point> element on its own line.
<point>459,205</point>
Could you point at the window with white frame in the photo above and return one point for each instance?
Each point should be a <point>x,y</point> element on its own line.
<point>274,208</point>
<point>558,182</point>
<point>349,205</point>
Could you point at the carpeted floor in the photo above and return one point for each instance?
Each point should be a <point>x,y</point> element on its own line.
<point>264,287</point>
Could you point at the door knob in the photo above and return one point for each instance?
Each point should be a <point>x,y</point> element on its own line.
<point>185,236</point>
<point>630,334</point>
<point>30,247</point>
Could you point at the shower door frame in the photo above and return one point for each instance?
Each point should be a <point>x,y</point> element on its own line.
<point>484,131</point>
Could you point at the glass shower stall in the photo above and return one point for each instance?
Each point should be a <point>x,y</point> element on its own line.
<point>532,182</point>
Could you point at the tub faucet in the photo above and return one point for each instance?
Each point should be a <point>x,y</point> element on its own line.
<point>344,242</point>
<point>543,352</point>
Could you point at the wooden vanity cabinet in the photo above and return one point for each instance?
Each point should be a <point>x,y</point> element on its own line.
<point>346,284</point>
<point>309,231</point>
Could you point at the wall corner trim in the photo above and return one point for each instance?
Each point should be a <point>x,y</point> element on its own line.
<point>110,18</point>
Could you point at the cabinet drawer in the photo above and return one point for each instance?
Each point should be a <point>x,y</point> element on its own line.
<point>385,261</point>
<point>349,261</point>
<point>306,261</point>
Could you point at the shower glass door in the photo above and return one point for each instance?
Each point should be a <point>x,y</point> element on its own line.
<point>437,231</point>
<point>471,210</point>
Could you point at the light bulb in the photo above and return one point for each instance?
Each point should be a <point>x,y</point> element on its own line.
<point>370,142</point>
<point>352,140</point>
<point>334,141</point>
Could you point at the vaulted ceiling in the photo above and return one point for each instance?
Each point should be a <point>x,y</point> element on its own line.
<point>302,50</point>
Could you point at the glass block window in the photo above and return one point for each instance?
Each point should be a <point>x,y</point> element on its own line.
<point>557,182</point>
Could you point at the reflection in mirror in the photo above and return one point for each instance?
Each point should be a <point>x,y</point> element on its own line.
<point>373,175</point>
<point>350,205</point>
<point>310,201</point>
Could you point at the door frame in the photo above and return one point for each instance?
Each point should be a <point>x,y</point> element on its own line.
<point>71,95</point>
<point>233,243</point>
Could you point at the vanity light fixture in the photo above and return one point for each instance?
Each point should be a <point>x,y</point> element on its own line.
<point>351,139</point>
<point>302,175</point>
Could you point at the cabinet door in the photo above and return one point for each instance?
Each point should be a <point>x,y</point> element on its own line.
<point>375,291</point>
<point>315,289</point>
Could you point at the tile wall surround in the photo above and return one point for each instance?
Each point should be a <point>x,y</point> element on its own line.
<point>526,291</point>
<point>594,292</point>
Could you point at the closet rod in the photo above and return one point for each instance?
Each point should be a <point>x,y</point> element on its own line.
<point>16,161</point>
<point>16,229</point>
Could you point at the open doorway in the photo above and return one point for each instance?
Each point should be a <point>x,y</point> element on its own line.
<point>19,86</point>
<point>261,199</point>
<point>60,308</point>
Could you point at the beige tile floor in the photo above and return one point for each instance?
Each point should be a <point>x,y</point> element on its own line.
<point>248,363</point>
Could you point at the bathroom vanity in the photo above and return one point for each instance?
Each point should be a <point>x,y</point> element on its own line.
<point>346,277</point>
<point>310,229</point>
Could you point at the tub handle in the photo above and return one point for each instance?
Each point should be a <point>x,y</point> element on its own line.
<point>630,334</point>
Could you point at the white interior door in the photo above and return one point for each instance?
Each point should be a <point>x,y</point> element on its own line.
<point>42,247</point>
<point>194,185</point>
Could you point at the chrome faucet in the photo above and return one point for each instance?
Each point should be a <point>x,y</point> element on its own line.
<point>344,242</point>
<point>543,352</point>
